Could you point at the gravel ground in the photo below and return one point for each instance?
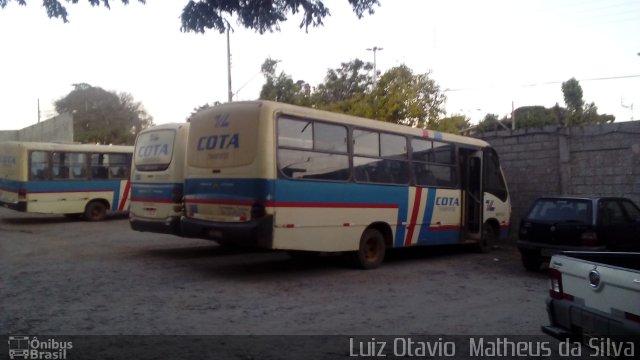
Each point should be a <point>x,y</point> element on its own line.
<point>62,276</point>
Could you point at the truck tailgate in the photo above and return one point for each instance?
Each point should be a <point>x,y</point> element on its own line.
<point>600,287</point>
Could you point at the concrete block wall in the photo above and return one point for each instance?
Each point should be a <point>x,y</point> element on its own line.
<point>56,129</point>
<point>599,160</point>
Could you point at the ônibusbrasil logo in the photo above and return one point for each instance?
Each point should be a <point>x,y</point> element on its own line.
<point>30,347</point>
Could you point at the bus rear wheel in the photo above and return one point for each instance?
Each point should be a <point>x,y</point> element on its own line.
<point>371,251</point>
<point>95,211</point>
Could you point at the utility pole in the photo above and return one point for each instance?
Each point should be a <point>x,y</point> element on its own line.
<point>375,72</point>
<point>229,64</point>
<point>513,116</point>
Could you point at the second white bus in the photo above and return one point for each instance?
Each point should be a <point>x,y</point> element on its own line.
<point>157,178</point>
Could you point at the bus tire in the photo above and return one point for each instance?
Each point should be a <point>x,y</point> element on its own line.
<point>488,240</point>
<point>95,211</point>
<point>371,251</point>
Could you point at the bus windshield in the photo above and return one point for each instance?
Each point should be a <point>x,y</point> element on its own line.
<point>154,150</point>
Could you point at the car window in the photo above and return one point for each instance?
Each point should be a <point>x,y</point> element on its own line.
<point>611,213</point>
<point>561,210</point>
<point>632,210</point>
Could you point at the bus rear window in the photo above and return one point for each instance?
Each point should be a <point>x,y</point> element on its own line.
<point>154,150</point>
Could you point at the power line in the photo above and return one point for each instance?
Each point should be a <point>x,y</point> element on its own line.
<point>547,83</point>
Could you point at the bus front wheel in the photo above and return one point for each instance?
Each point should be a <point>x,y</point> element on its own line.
<point>371,252</point>
<point>95,211</point>
<point>488,240</point>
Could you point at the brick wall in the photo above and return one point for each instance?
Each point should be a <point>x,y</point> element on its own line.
<point>584,160</point>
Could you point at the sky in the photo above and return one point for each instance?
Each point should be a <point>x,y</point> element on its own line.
<point>486,56</point>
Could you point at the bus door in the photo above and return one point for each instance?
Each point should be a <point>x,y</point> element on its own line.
<point>471,182</point>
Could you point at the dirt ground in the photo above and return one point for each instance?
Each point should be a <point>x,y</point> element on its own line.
<point>71,277</point>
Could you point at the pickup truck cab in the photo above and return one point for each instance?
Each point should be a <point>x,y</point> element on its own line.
<point>566,223</point>
<point>594,295</point>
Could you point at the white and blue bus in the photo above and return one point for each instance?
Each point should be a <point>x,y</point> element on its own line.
<point>157,178</point>
<point>286,177</point>
<point>71,179</point>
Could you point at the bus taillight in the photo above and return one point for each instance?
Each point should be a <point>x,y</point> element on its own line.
<point>177,195</point>
<point>22,193</point>
<point>257,210</point>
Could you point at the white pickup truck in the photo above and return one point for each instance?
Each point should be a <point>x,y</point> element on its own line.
<point>593,296</point>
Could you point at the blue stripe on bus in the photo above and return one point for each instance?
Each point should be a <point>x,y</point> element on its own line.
<point>10,185</point>
<point>166,191</point>
<point>295,191</point>
<point>116,197</point>
<point>52,186</point>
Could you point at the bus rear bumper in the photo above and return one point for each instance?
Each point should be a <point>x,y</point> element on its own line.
<point>170,225</point>
<point>17,206</point>
<point>253,233</point>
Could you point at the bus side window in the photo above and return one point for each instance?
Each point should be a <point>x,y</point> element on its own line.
<point>39,165</point>
<point>78,165</point>
<point>119,166</point>
<point>63,172</point>
<point>99,172</point>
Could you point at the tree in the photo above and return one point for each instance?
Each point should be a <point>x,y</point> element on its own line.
<point>259,15</point>
<point>343,83</point>
<point>101,116</point>
<point>572,92</point>
<point>282,88</point>
<point>453,124</point>
<point>404,98</point>
<point>399,97</point>
<point>346,89</point>
<point>200,108</point>
<point>579,113</point>
<point>536,116</point>
<point>491,122</point>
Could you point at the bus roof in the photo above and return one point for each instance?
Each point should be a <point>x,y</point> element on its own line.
<point>166,126</point>
<point>276,107</point>
<point>51,146</point>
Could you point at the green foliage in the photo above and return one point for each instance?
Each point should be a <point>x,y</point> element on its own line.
<point>572,92</point>
<point>399,97</point>
<point>200,108</point>
<point>55,9</point>
<point>259,15</point>
<point>576,113</point>
<point>452,124</point>
<point>282,88</point>
<point>101,116</point>
<point>404,98</point>
<point>535,116</point>
<point>345,89</point>
<point>491,122</point>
